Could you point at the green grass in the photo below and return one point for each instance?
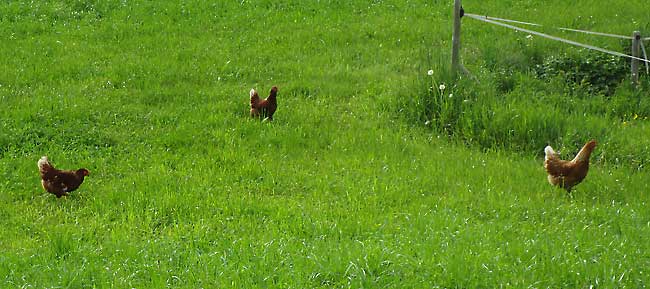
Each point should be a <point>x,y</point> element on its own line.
<point>347,188</point>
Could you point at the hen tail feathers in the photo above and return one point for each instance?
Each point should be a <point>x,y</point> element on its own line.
<point>549,152</point>
<point>44,165</point>
<point>254,97</point>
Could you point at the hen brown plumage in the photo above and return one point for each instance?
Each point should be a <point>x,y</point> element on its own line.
<point>59,182</point>
<point>264,108</point>
<point>567,174</point>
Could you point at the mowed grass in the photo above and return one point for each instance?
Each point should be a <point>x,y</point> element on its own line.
<point>339,191</point>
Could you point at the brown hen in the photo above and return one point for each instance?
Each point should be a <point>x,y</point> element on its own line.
<point>60,182</point>
<point>567,174</point>
<point>264,108</point>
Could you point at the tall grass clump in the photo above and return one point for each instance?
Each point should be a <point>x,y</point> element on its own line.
<point>593,72</point>
<point>563,101</point>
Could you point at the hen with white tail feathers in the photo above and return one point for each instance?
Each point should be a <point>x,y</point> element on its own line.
<point>59,182</point>
<point>567,174</point>
<point>264,108</point>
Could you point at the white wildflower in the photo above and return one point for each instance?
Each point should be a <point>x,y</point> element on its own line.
<point>442,86</point>
<point>430,72</point>
<point>451,95</point>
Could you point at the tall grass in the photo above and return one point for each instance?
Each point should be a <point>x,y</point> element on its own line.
<point>524,110</point>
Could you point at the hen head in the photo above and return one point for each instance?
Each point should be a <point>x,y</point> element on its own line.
<point>83,172</point>
<point>586,151</point>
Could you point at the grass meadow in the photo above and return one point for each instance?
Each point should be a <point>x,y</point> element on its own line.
<point>370,176</point>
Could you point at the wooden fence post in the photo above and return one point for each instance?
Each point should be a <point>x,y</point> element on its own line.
<point>455,39</point>
<point>636,44</point>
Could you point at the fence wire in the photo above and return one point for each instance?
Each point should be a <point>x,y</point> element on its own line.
<point>587,46</point>
<point>559,28</point>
